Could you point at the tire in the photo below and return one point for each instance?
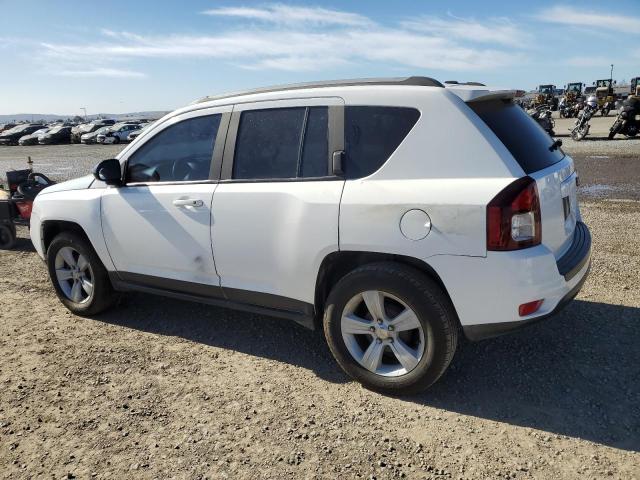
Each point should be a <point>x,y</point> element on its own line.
<point>403,289</point>
<point>102,295</point>
<point>7,236</point>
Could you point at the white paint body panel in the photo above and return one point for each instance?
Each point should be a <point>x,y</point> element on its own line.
<point>77,206</point>
<point>147,234</point>
<point>271,237</point>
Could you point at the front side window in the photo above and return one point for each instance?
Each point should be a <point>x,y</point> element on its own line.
<point>181,152</point>
<point>372,134</point>
<point>282,143</point>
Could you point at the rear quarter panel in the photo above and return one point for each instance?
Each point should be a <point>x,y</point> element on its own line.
<point>450,165</point>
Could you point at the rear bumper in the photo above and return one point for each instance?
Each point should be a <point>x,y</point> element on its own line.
<point>489,330</point>
<point>487,291</point>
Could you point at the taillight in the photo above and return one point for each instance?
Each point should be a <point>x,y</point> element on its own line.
<point>513,217</point>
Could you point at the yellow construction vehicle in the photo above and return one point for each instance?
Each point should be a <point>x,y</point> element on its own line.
<point>604,95</point>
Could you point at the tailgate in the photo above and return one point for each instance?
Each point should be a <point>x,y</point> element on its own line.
<point>557,188</point>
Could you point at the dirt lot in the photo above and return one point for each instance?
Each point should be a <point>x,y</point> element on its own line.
<point>160,388</point>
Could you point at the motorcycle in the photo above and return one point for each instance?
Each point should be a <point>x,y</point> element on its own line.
<point>581,127</point>
<point>628,120</point>
<point>542,115</point>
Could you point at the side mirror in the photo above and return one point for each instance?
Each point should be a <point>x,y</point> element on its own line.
<point>109,172</point>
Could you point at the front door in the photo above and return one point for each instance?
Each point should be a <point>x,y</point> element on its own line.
<point>157,226</point>
<point>275,211</point>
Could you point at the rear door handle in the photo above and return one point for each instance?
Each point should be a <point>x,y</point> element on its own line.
<point>188,202</point>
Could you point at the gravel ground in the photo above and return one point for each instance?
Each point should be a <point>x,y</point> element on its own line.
<point>159,388</point>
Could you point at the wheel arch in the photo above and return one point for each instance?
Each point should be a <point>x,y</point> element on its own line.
<point>337,264</point>
<point>52,228</point>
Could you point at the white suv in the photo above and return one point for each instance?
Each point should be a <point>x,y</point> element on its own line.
<point>390,213</point>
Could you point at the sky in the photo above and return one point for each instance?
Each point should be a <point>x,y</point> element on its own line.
<point>139,55</point>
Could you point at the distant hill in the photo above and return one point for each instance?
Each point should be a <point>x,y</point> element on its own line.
<point>28,117</point>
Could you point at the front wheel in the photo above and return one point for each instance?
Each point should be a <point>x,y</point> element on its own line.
<point>78,276</point>
<point>391,328</point>
<point>579,132</point>
<point>615,129</point>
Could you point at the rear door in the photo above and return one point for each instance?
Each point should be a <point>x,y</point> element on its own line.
<point>275,211</point>
<point>547,164</point>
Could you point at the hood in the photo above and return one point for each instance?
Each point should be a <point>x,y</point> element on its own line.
<point>75,184</point>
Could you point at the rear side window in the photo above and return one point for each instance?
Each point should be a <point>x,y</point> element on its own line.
<point>282,143</point>
<point>372,134</point>
<point>181,152</point>
<point>524,138</point>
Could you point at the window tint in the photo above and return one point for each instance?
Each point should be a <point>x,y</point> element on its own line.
<point>181,152</point>
<point>372,134</point>
<point>524,138</point>
<point>282,143</point>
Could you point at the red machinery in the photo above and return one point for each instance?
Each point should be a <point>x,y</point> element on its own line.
<point>24,185</point>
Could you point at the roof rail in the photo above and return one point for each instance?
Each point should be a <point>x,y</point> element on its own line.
<point>412,81</point>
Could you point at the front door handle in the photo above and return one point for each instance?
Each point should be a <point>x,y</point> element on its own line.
<point>188,202</point>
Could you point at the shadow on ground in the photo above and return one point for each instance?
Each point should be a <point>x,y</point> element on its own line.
<point>261,336</point>
<point>575,374</point>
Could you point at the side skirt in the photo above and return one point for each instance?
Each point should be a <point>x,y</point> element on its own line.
<point>252,302</point>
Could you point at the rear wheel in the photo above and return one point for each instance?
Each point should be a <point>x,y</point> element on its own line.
<point>7,236</point>
<point>78,276</point>
<point>391,328</point>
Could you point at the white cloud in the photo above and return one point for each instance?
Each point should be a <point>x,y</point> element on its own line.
<point>101,72</point>
<point>596,20</point>
<point>292,15</point>
<point>498,30</point>
<point>427,45</point>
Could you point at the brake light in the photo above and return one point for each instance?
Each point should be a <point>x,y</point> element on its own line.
<point>513,217</point>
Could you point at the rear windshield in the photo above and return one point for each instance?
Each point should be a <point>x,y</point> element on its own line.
<point>524,138</point>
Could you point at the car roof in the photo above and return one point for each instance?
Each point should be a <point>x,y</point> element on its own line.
<point>411,81</point>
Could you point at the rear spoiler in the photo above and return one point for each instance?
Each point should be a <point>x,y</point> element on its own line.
<point>475,94</point>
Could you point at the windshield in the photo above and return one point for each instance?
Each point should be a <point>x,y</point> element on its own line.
<point>545,89</point>
<point>574,87</point>
<point>603,83</point>
<point>524,138</point>
<point>17,129</point>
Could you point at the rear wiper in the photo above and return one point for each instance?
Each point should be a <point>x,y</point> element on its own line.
<point>555,145</point>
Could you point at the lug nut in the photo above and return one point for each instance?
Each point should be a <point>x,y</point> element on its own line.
<point>372,329</point>
<point>379,321</point>
<point>390,328</point>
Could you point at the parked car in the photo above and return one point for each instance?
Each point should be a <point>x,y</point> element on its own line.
<point>13,135</point>
<point>32,138</point>
<point>6,126</point>
<point>135,133</point>
<point>92,137</point>
<point>79,130</point>
<point>59,134</point>
<point>117,133</point>
<point>350,207</point>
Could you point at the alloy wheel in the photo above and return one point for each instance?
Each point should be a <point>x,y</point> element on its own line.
<point>74,275</point>
<point>382,333</point>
